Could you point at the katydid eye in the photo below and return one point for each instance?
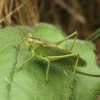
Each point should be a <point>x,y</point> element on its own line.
<point>29,41</point>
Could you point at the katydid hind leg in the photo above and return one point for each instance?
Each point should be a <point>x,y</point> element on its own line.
<point>53,58</point>
<point>73,34</point>
<point>73,78</point>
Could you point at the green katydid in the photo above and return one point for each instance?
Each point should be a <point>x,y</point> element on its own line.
<point>50,52</point>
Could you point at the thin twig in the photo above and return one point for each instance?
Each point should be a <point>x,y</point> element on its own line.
<point>19,7</point>
<point>1,7</point>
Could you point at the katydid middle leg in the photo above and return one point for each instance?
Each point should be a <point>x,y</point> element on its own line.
<point>73,34</point>
<point>48,66</point>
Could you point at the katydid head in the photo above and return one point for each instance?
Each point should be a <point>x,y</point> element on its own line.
<point>32,43</point>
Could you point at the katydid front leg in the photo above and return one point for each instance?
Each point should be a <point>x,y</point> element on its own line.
<point>19,44</point>
<point>19,67</point>
<point>73,34</point>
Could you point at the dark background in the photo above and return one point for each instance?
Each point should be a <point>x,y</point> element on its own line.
<point>71,15</point>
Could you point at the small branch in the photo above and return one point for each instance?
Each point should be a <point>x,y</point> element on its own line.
<point>19,7</point>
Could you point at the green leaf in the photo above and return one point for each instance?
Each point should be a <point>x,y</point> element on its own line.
<point>88,87</point>
<point>29,82</point>
<point>84,84</point>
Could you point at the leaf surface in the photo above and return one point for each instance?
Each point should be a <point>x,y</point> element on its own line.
<point>29,82</point>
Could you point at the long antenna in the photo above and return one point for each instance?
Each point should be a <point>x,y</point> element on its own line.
<point>20,30</point>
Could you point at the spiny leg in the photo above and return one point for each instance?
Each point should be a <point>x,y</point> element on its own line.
<point>73,34</point>
<point>52,58</point>
<point>75,66</point>
<point>25,62</point>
